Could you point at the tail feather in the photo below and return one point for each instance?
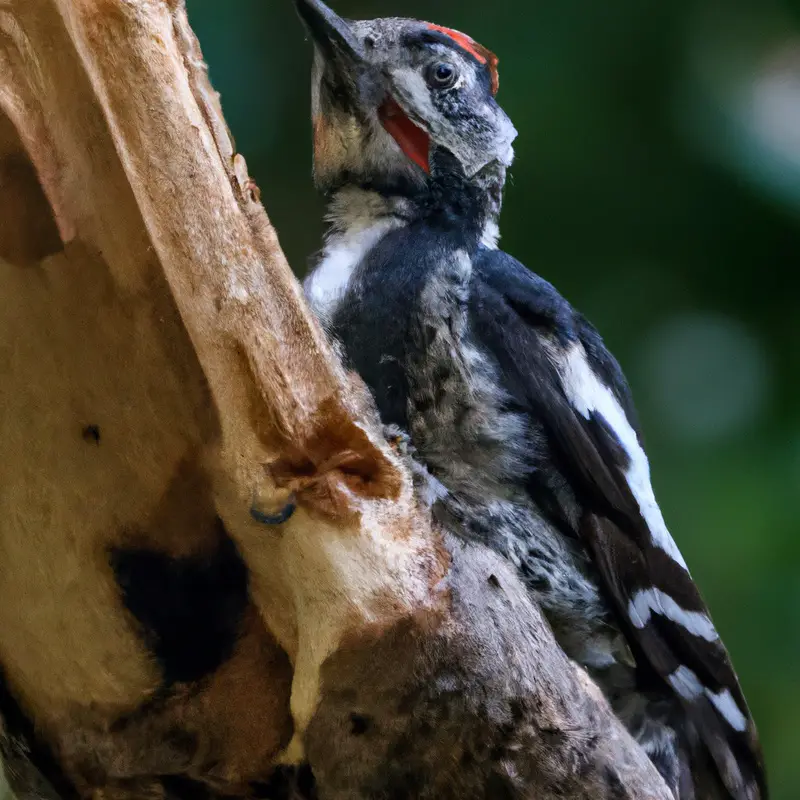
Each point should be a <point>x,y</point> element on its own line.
<point>738,759</point>
<point>693,749</point>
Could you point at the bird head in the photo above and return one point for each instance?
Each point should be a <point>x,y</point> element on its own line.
<point>392,97</point>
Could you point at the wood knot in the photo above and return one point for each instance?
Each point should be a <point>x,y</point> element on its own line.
<point>91,434</point>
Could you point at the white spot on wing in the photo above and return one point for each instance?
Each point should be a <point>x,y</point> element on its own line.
<point>588,394</point>
<point>654,600</point>
<point>727,706</point>
<point>686,683</point>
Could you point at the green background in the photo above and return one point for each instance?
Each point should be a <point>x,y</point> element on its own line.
<point>657,184</point>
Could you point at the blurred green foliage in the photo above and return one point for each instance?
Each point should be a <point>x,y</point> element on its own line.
<point>657,184</point>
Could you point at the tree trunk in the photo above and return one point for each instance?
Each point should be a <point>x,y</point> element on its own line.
<point>160,375</point>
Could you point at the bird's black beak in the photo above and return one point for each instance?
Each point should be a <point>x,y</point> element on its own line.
<point>331,33</point>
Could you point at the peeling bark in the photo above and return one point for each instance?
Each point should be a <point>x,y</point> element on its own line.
<point>158,367</point>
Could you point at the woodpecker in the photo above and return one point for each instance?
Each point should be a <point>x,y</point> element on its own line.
<point>508,394</point>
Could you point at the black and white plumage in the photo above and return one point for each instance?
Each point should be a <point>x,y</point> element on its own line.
<point>509,395</point>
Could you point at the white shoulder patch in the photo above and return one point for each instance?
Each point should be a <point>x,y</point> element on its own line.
<point>491,235</point>
<point>327,284</point>
<point>587,394</point>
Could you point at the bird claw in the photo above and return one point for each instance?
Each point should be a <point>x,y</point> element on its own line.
<point>398,439</point>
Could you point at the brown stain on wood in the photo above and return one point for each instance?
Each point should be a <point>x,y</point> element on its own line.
<point>28,231</point>
<point>245,706</point>
<point>224,731</point>
<point>337,451</point>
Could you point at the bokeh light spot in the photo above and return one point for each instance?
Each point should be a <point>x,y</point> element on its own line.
<point>707,376</point>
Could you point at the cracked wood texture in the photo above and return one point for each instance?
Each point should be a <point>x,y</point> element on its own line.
<point>160,373</point>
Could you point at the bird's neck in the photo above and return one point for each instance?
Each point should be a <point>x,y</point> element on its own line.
<point>447,200</point>
<point>361,215</point>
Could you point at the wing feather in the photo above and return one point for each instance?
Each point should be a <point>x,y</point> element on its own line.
<point>556,365</point>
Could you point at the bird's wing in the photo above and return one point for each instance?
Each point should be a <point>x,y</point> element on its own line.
<point>556,365</point>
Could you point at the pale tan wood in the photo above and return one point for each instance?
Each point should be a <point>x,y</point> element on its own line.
<point>151,299</point>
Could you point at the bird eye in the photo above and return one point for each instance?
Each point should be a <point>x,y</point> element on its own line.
<point>442,75</point>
